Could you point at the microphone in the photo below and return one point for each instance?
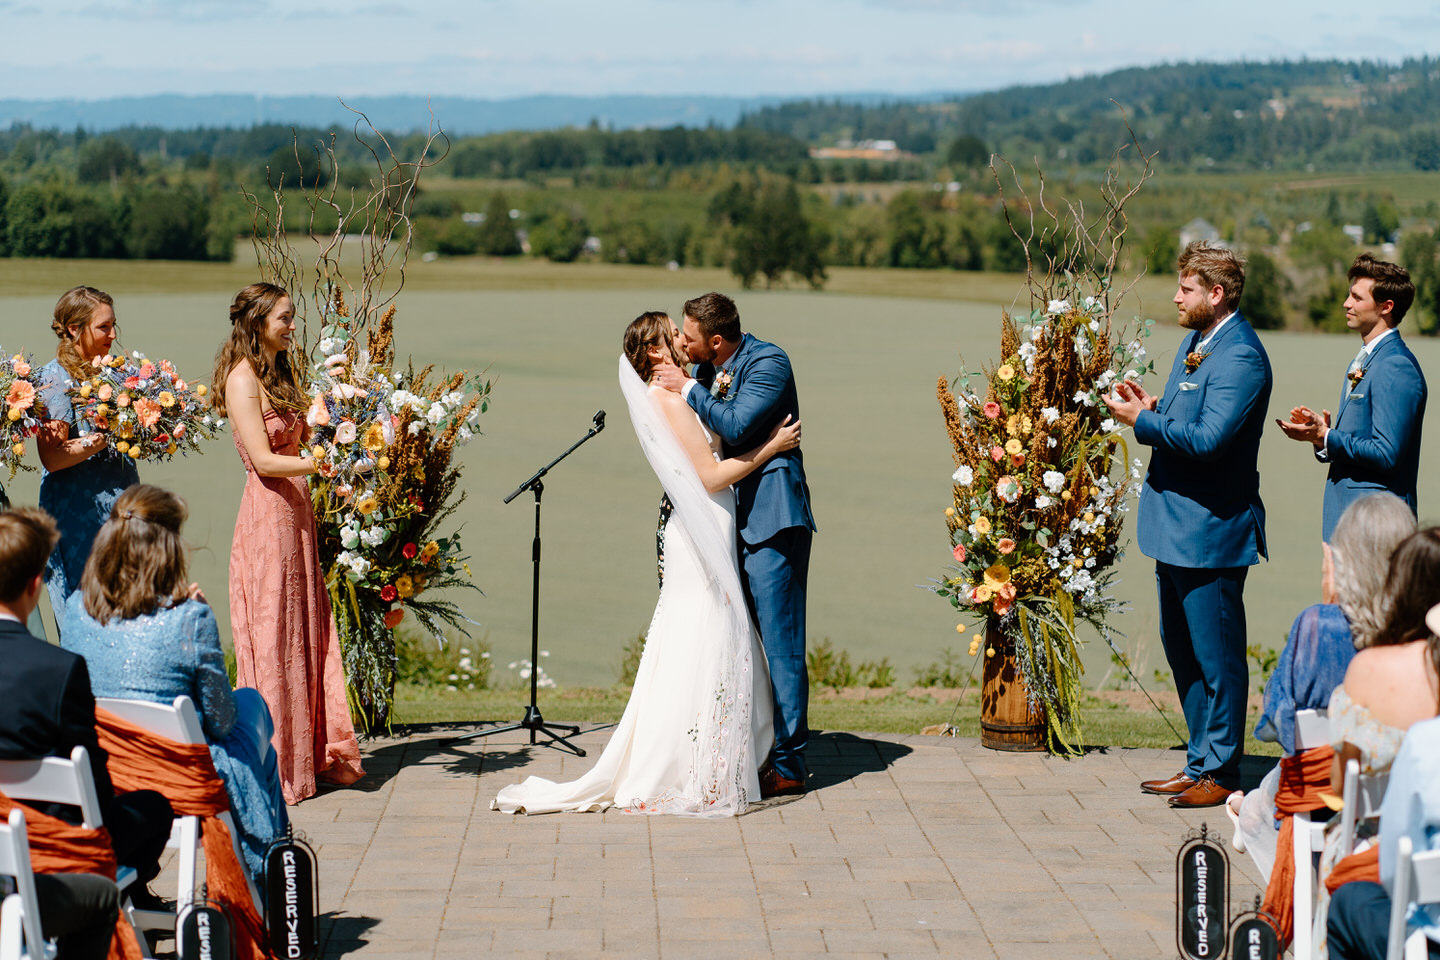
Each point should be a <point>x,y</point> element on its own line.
<point>599,420</point>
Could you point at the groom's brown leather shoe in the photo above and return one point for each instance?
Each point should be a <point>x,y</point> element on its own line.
<point>1168,787</point>
<point>774,785</point>
<point>1205,793</point>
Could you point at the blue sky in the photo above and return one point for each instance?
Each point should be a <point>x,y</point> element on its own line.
<point>93,49</point>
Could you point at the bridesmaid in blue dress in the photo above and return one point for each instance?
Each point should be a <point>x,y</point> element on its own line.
<point>148,634</point>
<point>83,474</point>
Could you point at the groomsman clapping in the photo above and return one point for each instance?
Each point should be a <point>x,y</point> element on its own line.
<point>1374,441</point>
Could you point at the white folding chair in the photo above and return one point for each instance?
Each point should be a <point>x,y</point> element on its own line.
<point>20,936</point>
<point>1362,795</point>
<point>1312,729</point>
<point>56,780</point>
<point>1417,880</point>
<point>179,721</point>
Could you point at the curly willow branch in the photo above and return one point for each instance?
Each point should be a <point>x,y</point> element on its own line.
<point>377,218</point>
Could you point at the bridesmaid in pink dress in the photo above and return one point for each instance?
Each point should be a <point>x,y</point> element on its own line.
<point>286,645</point>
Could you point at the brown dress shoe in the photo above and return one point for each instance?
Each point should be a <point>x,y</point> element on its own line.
<point>1168,787</point>
<point>774,785</point>
<point>1205,793</point>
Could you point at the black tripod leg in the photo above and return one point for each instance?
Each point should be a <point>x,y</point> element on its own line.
<point>561,740</point>
<point>484,733</point>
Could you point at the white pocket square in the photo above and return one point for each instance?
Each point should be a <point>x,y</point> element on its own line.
<point>1187,385</point>
<point>1356,396</point>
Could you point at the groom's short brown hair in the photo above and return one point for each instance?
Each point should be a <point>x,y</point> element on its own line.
<point>715,313</point>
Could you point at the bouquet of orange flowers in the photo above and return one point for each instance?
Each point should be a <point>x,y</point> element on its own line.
<point>21,411</point>
<point>145,409</point>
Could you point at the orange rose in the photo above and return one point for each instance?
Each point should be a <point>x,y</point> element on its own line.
<point>393,617</point>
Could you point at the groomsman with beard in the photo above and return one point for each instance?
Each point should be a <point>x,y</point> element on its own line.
<point>1201,518</point>
<point>1374,443</point>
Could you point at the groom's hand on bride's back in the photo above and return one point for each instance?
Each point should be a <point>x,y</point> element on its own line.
<point>669,376</point>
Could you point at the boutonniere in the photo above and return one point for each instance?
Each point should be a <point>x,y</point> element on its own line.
<point>1193,359</point>
<point>1355,374</point>
<point>721,386</point>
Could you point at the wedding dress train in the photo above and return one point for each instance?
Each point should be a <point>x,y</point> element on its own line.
<point>698,723</point>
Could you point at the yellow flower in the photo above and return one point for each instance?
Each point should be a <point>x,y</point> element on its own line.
<point>949,511</point>
<point>383,463</point>
<point>982,526</point>
<point>997,574</point>
<point>1089,518</point>
<point>1012,426</point>
<point>317,452</point>
<point>374,438</point>
<point>170,448</point>
<point>983,593</point>
<point>166,398</point>
<point>135,452</point>
<point>201,390</point>
<point>405,586</point>
<point>427,553</point>
<point>18,449</point>
<point>85,391</point>
<point>1006,372</point>
<point>122,447</point>
<point>1026,425</point>
<point>126,429</point>
<point>14,414</point>
<point>1013,446</point>
<point>367,504</point>
<point>467,568</point>
<point>1065,495</point>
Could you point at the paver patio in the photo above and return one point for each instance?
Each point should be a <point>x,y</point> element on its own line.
<point>906,846</point>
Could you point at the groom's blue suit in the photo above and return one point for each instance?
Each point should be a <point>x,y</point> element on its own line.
<point>1374,443</point>
<point>1202,522</point>
<point>774,523</point>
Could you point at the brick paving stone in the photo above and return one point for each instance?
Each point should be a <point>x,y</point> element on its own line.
<point>910,847</point>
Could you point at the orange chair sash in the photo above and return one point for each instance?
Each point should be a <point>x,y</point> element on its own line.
<point>1303,777</point>
<point>1364,865</point>
<point>60,847</point>
<point>185,774</point>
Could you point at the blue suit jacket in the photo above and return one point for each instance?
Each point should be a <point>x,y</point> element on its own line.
<point>762,392</point>
<point>1200,506</point>
<point>1374,440</point>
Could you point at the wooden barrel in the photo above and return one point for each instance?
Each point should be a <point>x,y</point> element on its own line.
<point>1007,721</point>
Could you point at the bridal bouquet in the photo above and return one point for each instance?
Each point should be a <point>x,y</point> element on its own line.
<point>1039,492</point>
<point>21,411</point>
<point>144,408</point>
<point>383,441</point>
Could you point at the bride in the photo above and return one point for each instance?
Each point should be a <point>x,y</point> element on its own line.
<point>698,722</point>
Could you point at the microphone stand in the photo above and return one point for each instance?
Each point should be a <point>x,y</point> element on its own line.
<point>532,720</point>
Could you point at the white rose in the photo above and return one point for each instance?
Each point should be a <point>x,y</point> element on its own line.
<point>1050,414</point>
<point>1054,481</point>
<point>1058,306</point>
<point>436,413</point>
<point>963,476</point>
<point>1043,502</point>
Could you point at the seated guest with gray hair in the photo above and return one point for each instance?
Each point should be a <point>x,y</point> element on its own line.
<point>1323,639</point>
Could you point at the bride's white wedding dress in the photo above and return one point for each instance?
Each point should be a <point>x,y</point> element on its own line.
<point>698,723</point>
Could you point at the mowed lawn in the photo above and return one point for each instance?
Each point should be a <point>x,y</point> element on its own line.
<point>875,447</point>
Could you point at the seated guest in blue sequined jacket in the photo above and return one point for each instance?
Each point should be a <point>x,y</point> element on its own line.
<point>148,634</point>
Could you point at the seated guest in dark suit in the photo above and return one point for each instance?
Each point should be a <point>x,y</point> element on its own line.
<point>47,708</point>
<point>77,909</point>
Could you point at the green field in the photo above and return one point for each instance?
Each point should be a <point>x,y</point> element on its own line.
<point>866,354</point>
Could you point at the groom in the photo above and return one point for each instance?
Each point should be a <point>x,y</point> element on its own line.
<point>744,388</point>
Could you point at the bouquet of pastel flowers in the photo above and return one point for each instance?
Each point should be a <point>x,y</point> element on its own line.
<point>146,410</point>
<point>382,440</point>
<point>1039,489</point>
<point>21,410</point>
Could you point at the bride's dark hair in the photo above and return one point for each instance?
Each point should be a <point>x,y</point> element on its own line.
<point>645,331</point>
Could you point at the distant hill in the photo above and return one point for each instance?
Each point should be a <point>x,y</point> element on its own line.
<point>1329,114</point>
<point>459,115</point>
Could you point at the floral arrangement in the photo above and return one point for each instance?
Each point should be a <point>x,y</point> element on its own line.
<point>1041,476</point>
<point>383,440</point>
<point>144,408</point>
<point>1039,492</point>
<point>21,410</point>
